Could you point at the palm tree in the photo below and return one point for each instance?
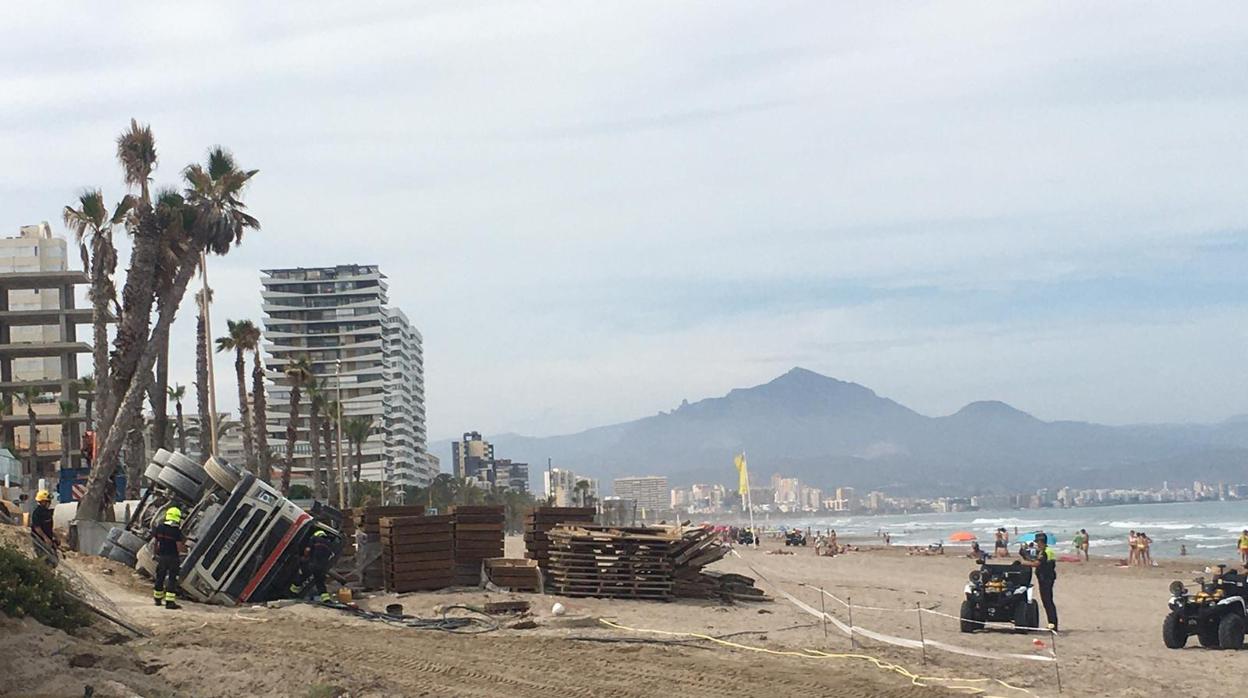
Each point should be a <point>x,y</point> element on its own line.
<point>316,401</point>
<point>29,396</point>
<point>86,389</point>
<point>68,409</point>
<point>357,430</point>
<point>176,393</point>
<point>330,409</point>
<point>240,339</point>
<point>93,228</point>
<point>211,217</point>
<point>201,375</point>
<point>259,413</point>
<point>299,373</point>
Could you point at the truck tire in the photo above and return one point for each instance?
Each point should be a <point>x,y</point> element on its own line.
<point>161,457</point>
<point>1231,632</point>
<point>967,622</point>
<point>1173,631</point>
<point>223,473</point>
<point>180,484</point>
<point>105,549</point>
<point>152,473</point>
<point>145,561</point>
<point>188,467</point>
<point>122,555</point>
<point>130,542</point>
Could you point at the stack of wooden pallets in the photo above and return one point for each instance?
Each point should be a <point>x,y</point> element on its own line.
<point>541,520</point>
<point>659,562</point>
<point>516,575</point>
<point>478,536</point>
<point>417,552</point>
<point>367,520</point>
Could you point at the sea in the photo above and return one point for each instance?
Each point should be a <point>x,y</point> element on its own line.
<point>1209,530</point>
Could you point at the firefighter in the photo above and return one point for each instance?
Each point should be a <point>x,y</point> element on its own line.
<point>169,545</point>
<point>314,565</point>
<point>41,519</point>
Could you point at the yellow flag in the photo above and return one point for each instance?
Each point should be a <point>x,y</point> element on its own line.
<point>742,475</point>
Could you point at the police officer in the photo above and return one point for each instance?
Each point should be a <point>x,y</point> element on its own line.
<point>169,544</point>
<point>314,565</point>
<point>1045,564</point>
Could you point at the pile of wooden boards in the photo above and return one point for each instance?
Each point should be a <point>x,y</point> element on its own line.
<point>516,575</point>
<point>418,552</point>
<point>659,562</point>
<point>478,536</point>
<point>541,520</point>
<point>368,571</point>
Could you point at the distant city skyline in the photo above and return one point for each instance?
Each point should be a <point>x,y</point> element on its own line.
<point>1039,204</point>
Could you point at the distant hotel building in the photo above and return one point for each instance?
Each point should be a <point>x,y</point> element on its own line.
<point>650,493</point>
<point>39,345</point>
<point>472,460</point>
<point>560,488</point>
<point>341,313</point>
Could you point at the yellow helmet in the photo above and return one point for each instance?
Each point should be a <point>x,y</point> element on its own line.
<point>43,496</point>
<point>173,515</point>
<point>319,534</point>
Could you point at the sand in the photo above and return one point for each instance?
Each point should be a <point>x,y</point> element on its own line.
<point>1110,644</point>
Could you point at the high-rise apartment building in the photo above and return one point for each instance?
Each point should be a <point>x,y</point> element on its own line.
<point>650,492</point>
<point>38,342</point>
<point>360,349</point>
<point>473,459</point>
<point>561,490</point>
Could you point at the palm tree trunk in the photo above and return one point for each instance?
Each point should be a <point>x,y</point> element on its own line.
<point>181,428</point>
<point>34,447</point>
<point>90,403</point>
<point>102,291</point>
<point>128,408</point>
<point>132,340</point>
<point>359,460</point>
<point>160,400</point>
<point>201,386</point>
<point>136,458</point>
<point>260,418</point>
<point>244,412</point>
<point>331,462</point>
<point>292,431</point>
<point>314,429</point>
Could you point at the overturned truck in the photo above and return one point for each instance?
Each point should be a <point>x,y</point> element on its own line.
<point>244,539</point>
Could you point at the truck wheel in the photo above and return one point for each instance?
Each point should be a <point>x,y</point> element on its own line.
<point>130,542</point>
<point>122,555</point>
<point>968,624</point>
<point>223,473</point>
<point>145,561</point>
<point>152,473</point>
<point>1208,635</point>
<point>188,467</point>
<point>180,484</point>
<point>1173,631</point>
<point>1231,632</point>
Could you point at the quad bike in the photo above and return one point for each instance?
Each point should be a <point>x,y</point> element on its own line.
<point>1214,611</point>
<point>999,593</point>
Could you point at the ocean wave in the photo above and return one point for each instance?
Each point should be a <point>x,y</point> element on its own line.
<point>1200,536</point>
<point>1222,545</point>
<point>1139,525</point>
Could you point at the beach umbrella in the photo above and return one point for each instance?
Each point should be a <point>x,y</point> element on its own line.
<point>962,537</point>
<point>1031,537</point>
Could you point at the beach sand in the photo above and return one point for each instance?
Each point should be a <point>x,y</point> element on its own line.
<point>1110,644</point>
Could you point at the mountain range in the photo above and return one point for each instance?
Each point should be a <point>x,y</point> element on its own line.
<point>830,433</point>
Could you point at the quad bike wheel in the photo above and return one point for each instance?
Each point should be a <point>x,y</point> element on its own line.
<point>1208,636</point>
<point>967,623</point>
<point>1027,615</point>
<point>1173,631</point>
<point>1231,632</point>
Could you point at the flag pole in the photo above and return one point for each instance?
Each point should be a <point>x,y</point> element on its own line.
<point>749,501</point>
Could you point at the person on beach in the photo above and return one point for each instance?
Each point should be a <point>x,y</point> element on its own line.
<point>1045,564</point>
<point>1083,545</point>
<point>1132,548</point>
<point>1001,546</point>
<point>1243,547</point>
<point>1145,556</point>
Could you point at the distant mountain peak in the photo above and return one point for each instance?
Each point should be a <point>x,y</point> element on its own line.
<point>994,408</point>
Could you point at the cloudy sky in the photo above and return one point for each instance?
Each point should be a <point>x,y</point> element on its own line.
<point>593,210</point>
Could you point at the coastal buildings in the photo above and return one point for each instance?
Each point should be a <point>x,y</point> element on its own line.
<point>39,346</point>
<point>358,347</point>
<point>650,492</point>
<point>560,488</point>
<point>473,461</point>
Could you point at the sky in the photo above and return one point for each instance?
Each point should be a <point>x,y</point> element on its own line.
<point>593,210</point>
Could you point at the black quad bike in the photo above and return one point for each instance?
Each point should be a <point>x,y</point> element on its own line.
<point>999,593</point>
<point>1215,611</point>
<point>795,537</point>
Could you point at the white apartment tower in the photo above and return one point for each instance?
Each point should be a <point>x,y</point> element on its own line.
<point>359,348</point>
